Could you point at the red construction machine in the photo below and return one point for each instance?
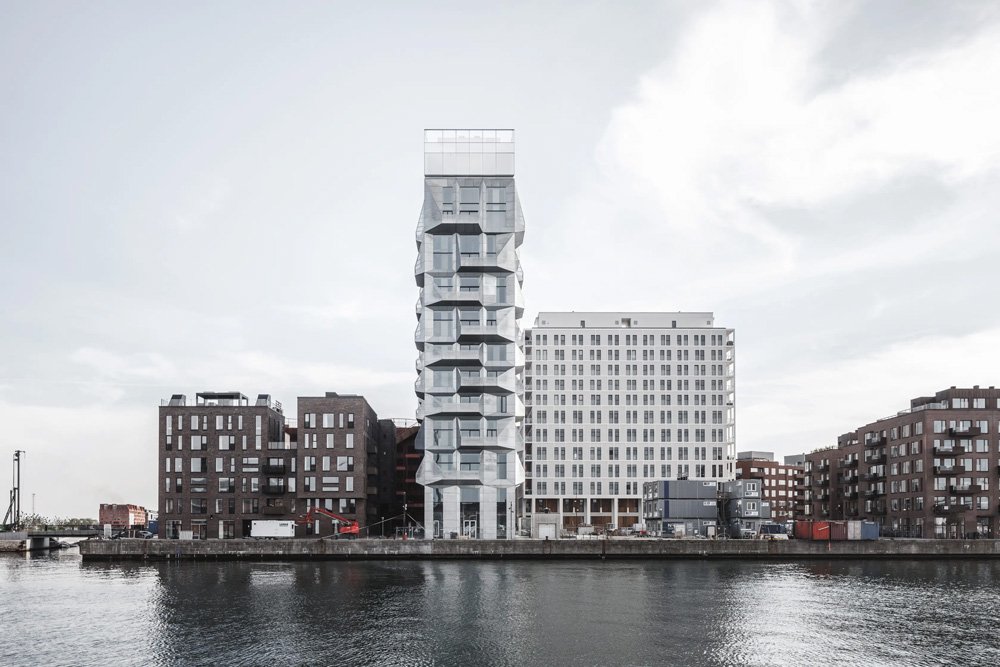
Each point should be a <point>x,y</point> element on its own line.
<point>345,526</point>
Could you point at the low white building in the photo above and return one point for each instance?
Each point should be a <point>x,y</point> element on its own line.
<point>617,399</point>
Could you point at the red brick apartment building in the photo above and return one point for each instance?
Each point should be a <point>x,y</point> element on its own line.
<point>928,471</point>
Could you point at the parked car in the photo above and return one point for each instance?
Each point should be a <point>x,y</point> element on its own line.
<point>146,535</point>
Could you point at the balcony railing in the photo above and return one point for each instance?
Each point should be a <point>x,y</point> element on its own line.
<point>946,470</point>
<point>274,469</point>
<point>274,489</point>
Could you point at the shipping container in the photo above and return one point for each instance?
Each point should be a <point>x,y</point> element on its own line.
<point>272,529</point>
<point>821,530</point>
<point>869,530</point>
<point>689,490</point>
<point>838,531</point>
<point>802,530</point>
<point>690,509</point>
<point>854,530</point>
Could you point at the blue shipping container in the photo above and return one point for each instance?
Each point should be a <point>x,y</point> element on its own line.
<point>869,530</point>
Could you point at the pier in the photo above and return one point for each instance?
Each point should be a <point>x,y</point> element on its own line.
<point>596,549</point>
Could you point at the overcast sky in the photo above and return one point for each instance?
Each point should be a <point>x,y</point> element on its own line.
<point>223,196</point>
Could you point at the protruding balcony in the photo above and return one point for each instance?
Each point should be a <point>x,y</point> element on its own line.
<point>875,441</point>
<point>946,470</point>
<point>273,469</point>
<point>274,489</point>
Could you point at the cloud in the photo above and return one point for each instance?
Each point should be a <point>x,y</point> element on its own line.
<point>743,120</point>
<point>826,211</point>
<point>810,408</point>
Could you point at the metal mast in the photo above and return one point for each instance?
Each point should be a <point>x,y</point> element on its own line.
<point>12,520</point>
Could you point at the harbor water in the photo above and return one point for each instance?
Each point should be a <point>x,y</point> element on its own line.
<point>57,610</point>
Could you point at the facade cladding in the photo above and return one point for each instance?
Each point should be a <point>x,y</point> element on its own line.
<point>470,360</point>
<point>928,471</point>
<point>226,462</point>
<point>781,484</point>
<point>618,399</point>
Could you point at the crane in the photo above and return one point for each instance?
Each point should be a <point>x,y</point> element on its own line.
<point>347,526</point>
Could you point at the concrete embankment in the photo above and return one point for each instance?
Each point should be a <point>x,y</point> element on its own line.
<point>635,548</point>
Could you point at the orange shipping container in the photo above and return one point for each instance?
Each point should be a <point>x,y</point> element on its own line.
<point>821,530</point>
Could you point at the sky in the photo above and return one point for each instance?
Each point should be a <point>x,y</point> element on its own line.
<point>223,196</point>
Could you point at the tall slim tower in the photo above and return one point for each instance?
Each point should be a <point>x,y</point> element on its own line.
<point>471,359</point>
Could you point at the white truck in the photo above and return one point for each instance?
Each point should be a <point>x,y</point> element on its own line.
<point>272,529</point>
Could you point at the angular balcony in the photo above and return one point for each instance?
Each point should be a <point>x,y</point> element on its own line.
<point>274,489</point>
<point>971,432</point>
<point>941,510</point>
<point>823,467</point>
<point>875,441</point>
<point>823,483</point>
<point>873,476</point>
<point>875,460</point>
<point>851,495</point>
<point>436,406</point>
<point>944,451</point>
<point>492,385</point>
<point>276,469</point>
<point>278,510</point>
<point>965,488</point>
<point>946,470</point>
<point>874,493</point>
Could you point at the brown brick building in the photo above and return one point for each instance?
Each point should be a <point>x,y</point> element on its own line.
<point>223,462</point>
<point>781,483</point>
<point>338,455</point>
<point>409,493</point>
<point>928,471</point>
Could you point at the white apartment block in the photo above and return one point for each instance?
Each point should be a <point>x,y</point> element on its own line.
<point>617,399</point>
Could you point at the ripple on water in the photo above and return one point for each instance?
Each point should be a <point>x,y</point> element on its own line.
<point>64,612</point>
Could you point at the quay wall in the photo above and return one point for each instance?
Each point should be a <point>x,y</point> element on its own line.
<point>625,548</point>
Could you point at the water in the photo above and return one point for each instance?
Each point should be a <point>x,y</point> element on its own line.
<point>57,610</point>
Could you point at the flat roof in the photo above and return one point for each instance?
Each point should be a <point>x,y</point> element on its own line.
<point>626,319</point>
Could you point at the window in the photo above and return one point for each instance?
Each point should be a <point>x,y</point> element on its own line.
<point>496,199</point>
<point>349,441</point>
<point>469,202</point>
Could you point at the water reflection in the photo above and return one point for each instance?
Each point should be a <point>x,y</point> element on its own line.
<point>499,613</point>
